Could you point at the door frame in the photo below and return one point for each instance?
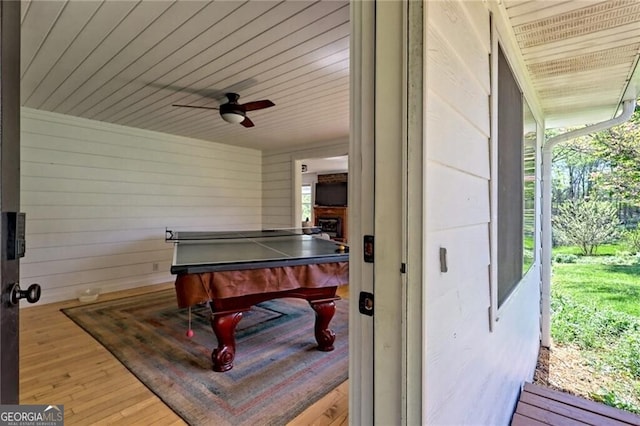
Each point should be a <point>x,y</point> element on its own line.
<point>390,141</point>
<point>361,200</point>
<point>386,148</point>
<point>296,174</point>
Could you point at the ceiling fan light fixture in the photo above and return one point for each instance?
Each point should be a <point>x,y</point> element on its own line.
<point>233,112</point>
<point>232,117</point>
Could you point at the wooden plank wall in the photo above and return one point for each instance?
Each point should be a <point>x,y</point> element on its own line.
<point>278,183</point>
<point>472,374</point>
<point>98,198</point>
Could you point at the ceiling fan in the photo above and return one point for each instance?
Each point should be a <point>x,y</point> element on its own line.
<point>233,112</point>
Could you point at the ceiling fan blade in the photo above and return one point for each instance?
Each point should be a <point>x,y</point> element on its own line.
<point>194,106</point>
<point>217,95</point>
<point>252,106</point>
<point>247,122</point>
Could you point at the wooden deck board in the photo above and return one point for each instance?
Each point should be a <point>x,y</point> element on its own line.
<point>539,405</point>
<point>520,420</point>
<point>585,415</point>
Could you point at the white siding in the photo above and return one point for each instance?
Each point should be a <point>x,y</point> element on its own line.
<point>472,375</point>
<point>278,180</point>
<point>98,198</point>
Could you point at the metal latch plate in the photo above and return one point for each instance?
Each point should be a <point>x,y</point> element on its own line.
<point>365,303</point>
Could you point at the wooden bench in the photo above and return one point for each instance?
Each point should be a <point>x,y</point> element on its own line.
<point>539,405</point>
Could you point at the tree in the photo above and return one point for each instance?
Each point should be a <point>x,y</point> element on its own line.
<point>620,148</point>
<point>574,164</point>
<point>586,223</point>
<point>603,166</point>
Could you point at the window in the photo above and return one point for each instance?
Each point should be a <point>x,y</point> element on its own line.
<point>516,183</point>
<point>306,203</point>
<point>530,143</point>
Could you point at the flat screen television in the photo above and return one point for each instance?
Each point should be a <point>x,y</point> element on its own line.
<point>331,194</point>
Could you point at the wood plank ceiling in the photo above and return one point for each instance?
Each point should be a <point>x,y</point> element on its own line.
<point>126,62</point>
<point>582,55</point>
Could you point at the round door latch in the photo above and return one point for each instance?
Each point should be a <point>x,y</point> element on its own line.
<point>32,294</point>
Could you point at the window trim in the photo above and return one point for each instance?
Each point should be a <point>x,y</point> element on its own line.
<point>497,40</point>
<point>537,237</point>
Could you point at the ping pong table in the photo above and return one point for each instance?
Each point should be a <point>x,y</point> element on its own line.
<point>232,271</point>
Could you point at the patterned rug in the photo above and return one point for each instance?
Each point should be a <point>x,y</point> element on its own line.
<point>277,372</point>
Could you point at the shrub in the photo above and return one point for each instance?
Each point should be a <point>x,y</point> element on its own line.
<point>565,258</point>
<point>632,239</point>
<point>586,223</point>
<point>621,258</point>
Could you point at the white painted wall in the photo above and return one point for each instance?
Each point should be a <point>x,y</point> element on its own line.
<point>98,198</point>
<point>281,181</point>
<point>309,178</point>
<point>472,375</point>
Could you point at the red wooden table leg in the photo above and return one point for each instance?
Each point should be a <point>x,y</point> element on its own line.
<point>324,313</point>
<point>224,326</point>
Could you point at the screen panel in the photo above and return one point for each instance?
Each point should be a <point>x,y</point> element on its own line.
<point>510,180</point>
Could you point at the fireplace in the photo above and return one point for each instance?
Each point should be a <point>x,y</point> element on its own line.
<point>332,221</point>
<point>331,226</point>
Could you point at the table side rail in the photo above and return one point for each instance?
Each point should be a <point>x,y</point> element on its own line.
<point>258,264</point>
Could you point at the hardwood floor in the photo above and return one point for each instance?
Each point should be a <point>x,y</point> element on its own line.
<point>61,364</point>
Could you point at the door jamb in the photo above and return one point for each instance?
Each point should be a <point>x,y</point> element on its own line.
<point>361,205</point>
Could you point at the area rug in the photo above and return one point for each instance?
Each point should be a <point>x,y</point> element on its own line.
<point>277,372</point>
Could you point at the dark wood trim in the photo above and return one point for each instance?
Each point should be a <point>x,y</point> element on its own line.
<point>9,193</point>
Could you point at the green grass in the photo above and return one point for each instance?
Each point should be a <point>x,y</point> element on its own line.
<point>587,325</point>
<point>615,287</point>
<point>603,250</point>
<point>609,342</point>
<point>595,305</point>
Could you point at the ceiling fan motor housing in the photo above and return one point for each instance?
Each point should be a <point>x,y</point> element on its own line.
<point>232,109</point>
<point>233,112</point>
<point>232,97</point>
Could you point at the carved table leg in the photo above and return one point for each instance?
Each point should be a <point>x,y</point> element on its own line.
<point>224,326</point>
<point>324,313</point>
